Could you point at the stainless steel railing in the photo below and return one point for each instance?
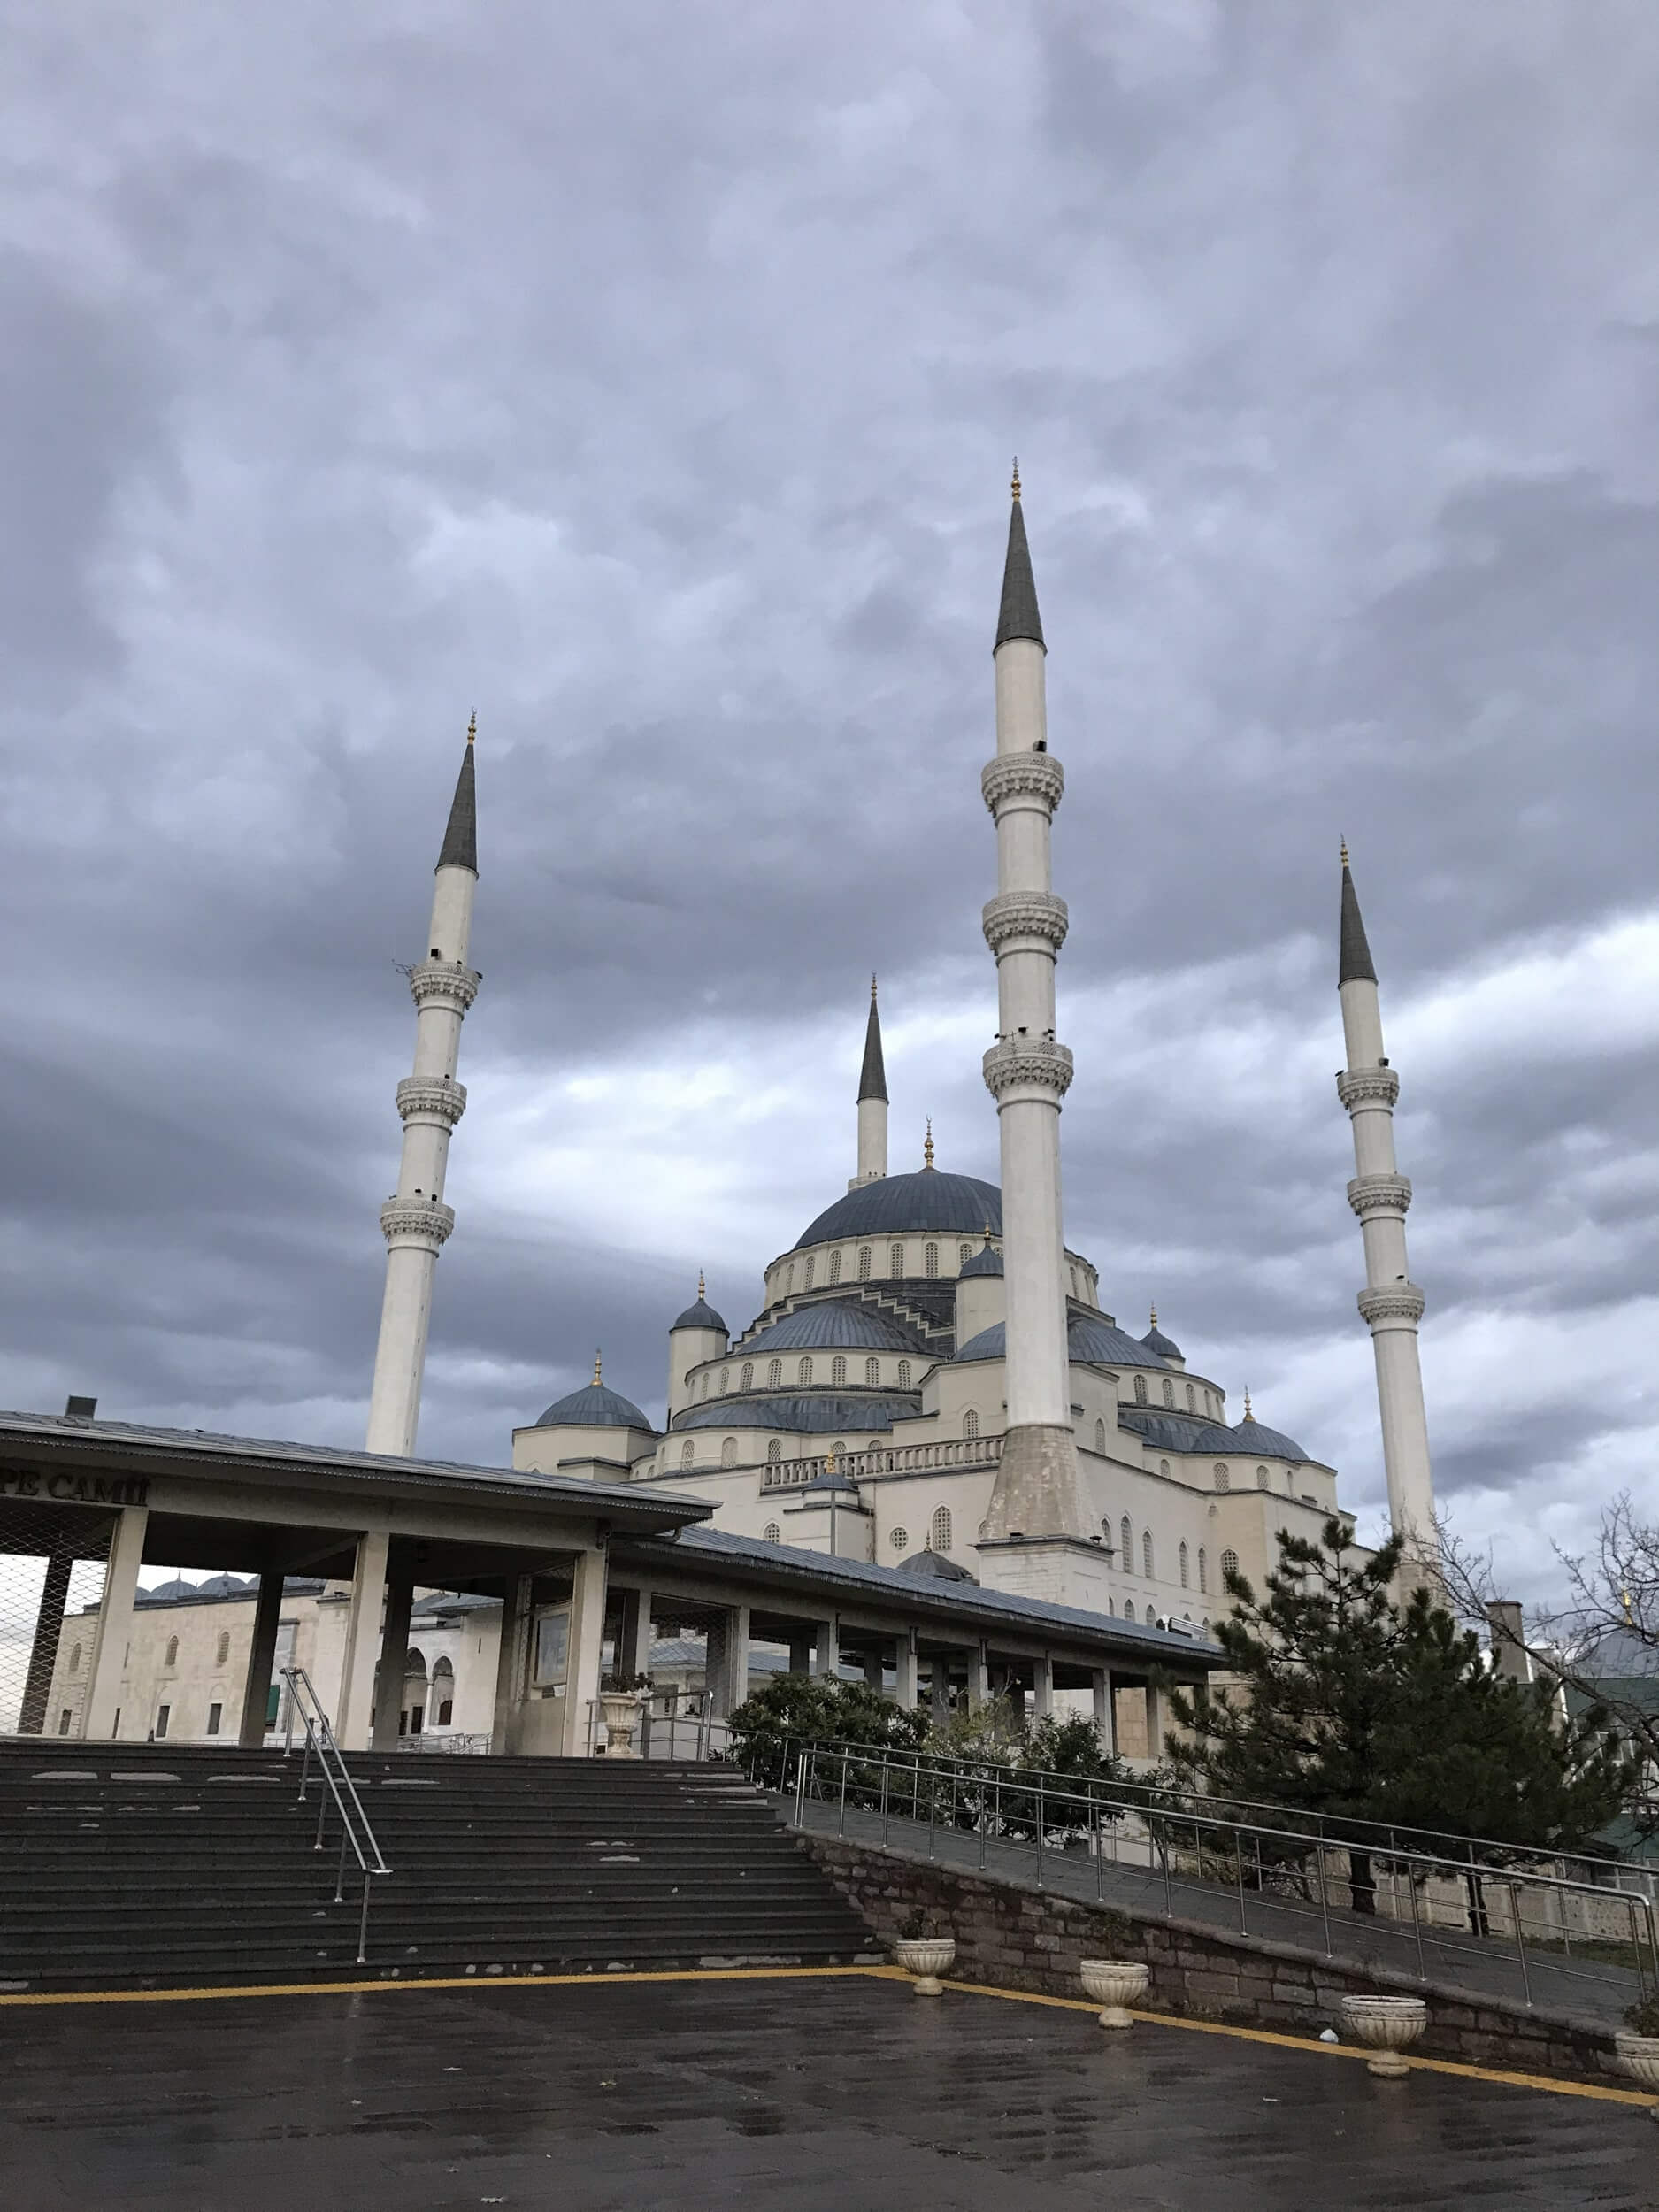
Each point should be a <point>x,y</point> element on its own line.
<point>1037,1824</point>
<point>356,1835</point>
<point>667,1730</point>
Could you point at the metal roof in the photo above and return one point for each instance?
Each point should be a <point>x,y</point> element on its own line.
<point>811,1412</point>
<point>1018,616</point>
<point>842,1324</point>
<point>702,1316</point>
<point>594,1406</point>
<point>1354,964</point>
<point>926,1200</point>
<point>1090,1342</point>
<point>460,835</point>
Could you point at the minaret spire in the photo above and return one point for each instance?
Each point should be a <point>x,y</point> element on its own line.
<point>872,1103</point>
<point>1038,1492</point>
<point>1391,1302</point>
<point>415,1221</point>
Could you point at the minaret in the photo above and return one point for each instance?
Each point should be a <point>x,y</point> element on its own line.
<point>1391,1302</point>
<point>416,1221</point>
<point>873,1103</point>
<point>1038,1491</point>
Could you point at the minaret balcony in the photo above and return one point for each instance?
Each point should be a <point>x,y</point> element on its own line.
<point>1035,1065</point>
<point>1024,920</point>
<point>1392,1306</point>
<point>1031,778</point>
<point>436,1099</point>
<point>1373,1195</point>
<point>1367,1087</point>
<point>445,983</point>
<point>425,1222</point>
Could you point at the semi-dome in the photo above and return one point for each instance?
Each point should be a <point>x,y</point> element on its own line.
<point>1090,1342</point>
<point>844,1324</point>
<point>930,1563</point>
<point>1252,1435</point>
<point>987,1261</point>
<point>594,1406</point>
<point>954,1205</point>
<point>807,1412</point>
<point>1165,1346</point>
<point>701,1315</point>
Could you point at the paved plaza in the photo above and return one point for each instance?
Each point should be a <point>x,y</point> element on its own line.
<point>816,2093</point>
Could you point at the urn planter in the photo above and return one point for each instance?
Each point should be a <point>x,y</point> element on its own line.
<point>1386,2026</point>
<point>926,1957</point>
<point>620,1710</point>
<point>1115,1985</point>
<point>1639,2055</point>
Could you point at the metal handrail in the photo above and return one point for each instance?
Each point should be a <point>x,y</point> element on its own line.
<point>1152,1797</point>
<point>355,1834</point>
<point>710,1734</point>
<point>1231,1842</point>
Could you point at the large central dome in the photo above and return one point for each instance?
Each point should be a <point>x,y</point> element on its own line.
<point>955,1204</point>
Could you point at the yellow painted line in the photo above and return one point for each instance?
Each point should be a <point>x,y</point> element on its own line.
<point>1279,2041</point>
<point>454,1981</point>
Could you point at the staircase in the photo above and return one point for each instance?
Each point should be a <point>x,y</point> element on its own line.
<point>141,1867</point>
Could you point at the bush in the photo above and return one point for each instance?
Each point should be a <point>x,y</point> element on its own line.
<point>818,1709</point>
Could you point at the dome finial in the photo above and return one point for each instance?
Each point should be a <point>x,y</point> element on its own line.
<point>1155,1315</point>
<point>596,1366</point>
<point>873,989</point>
<point>927,1144</point>
<point>472,729</point>
<point>1014,487</point>
<point>702,1289</point>
<point>1345,852</point>
<point>1248,1414</point>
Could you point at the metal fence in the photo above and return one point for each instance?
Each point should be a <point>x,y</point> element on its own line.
<point>667,1726</point>
<point>52,1564</point>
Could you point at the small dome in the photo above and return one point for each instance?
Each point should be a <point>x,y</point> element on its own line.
<point>928,1562</point>
<point>702,1316</point>
<point>957,1205</point>
<point>167,1593</point>
<point>223,1586</point>
<point>841,1482</point>
<point>838,1324</point>
<point>1090,1342</point>
<point>987,1261</point>
<point>1164,1346</point>
<point>1252,1436</point>
<point>594,1406</point>
<point>805,1413</point>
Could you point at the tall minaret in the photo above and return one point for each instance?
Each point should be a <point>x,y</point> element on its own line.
<point>1038,1491</point>
<point>1391,1302</point>
<point>416,1221</point>
<point>873,1103</point>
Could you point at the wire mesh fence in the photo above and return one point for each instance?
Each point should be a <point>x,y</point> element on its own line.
<point>52,1564</point>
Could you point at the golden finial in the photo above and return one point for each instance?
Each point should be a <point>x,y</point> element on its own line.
<point>702,1292</point>
<point>472,729</point>
<point>596,1366</point>
<point>1345,852</point>
<point>927,1144</point>
<point>1154,1317</point>
<point>873,990</point>
<point>1014,487</point>
<point>1248,1414</point>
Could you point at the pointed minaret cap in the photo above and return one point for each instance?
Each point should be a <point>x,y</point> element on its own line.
<point>927,1144</point>
<point>460,837</point>
<point>1355,964</point>
<point>873,1077</point>
<point>1017,616</point>
<point>596,1367</point>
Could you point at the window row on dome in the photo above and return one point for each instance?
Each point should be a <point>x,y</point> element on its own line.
<point>841,1374</point>
<point>894,1263</point>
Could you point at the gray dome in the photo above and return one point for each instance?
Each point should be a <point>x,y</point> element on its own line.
<point>702,1316</point>
<point>1090,1342</point>
<point>841,1483</point>
<point>842,1324</point>
<point>1164,1346</point>
<point>987,1261</point>
<point>166,1593</point>
<point>928,1562</point>
<point>594,1406</point>
<point>809,1412</point>
<point>223,1586</point>
<point>957,1205</point>
<point>1252,1436</point>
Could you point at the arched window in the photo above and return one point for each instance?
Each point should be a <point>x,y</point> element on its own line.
<point>788,1278</point>
<point>688,1453</point>
<point>221,1650</point>
<point>771,1533</point>
<point>895,1259</point>
<point>1140,1390</point>
<point>1229,1564</point>
<point>1224,1480</point>
<point>811,1262</point>
<point>930,1260</point>
<point>746,1379</point>
<point>970,1423</point>
<point>1203,1574</point>
<point>1169,1392</point>
<point>1100,1436</point>
<point>74,1658</point>
<point>863,1263</point>
<point>1129,1608</point>
<point>774,1452</point>
<point>1261,1478</point>
<point>1126,1537</point>
<point>942,1528</point>
<point>1183,1562</point>
<point>172,1659</point>
<point>964,1253</point>
<point>803,1373</point>
<point>1075,1292</point>
<point>774,1375</point>
<point>705,1392</point>
<point>728,1451</point>
<point>1192,1403</point>
<point>873,1370</point>
<point>900,1540</point>
<point>1146,1553</point>
<point>441,1703</point>
<point>838,1368</point>
<point>904,1374</point>
<point>1164,1467</point>
<point>835,1266</point>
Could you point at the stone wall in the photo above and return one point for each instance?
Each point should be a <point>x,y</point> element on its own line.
<point>1012,1938</point>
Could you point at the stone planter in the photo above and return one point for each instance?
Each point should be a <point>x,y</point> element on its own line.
<point>1639,2055</point>
<point>1387,2025</point>
<point>1114,1983</point>
<point>620,1710</point>
<point>927,1958</point>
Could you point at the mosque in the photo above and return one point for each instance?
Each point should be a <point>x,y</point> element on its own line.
<point>931,1381</point>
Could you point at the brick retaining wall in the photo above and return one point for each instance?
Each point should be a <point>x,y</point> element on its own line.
<point>1010,1937</point>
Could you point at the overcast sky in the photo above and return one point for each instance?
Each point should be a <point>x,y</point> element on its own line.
<point>646,377</point>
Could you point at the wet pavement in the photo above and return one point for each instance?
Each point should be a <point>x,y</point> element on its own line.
<point>816,2094</point>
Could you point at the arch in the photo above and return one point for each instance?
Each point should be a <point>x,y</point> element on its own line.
<point>725,1377</point>
<point>1169,1394</point>
<point>1261,1478</point>
<point>1129,1608</point>
<point>942,1528</point>
<point>774,1452</point>
<point>863,1263</point>
<point>838,1449</point>
<point>688,1453</point>
<point>172,1659</point>
<point>1075,1293</point>
<point>746,1376</point>
<point>1164,1466</point>
<point>930,1260</point>
<point>811,1264</point>
<point>771,1533</point>
<point>1183,1565</point>
<point>904,1374</point>
<point>970,1423</point>
<point>873,1370</point>
<point>1140,1390</point>
<point>803,1373</point>
<point>1229,1564</point>
<point>774,1375</point>
<point>835,1265</point>
<point>221,1650</point>
<point>900,1540</point>
<point>838,1368</point>
<point>1203,1574</point>
<point>1100,1436</point>
<point>1192,1401</point>
<point>1224,1480</point>
<point>788,1278</point>
<point>964,1253</point>
<point>895,1259</point>
<point>705,1392</point>
<point>441,1702</point>
<point>1146,1555</point>
<point>74,1658</point>
<point>728,1451</point>
<point>1126,1537</point>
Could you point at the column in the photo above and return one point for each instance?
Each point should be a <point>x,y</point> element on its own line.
<point>827,1647</point>
<point>978,1688</point>
<point>49,1625</point>
<point>1042,1687</point>
<point>587,1651</point>
<point>256,1697</point>
<point>400,1598</point>
<point>801,1648</point>
<point>1105,1713</point>
<point>736,1672</point>
<point>114,1629</point>
<point>353,1722</point>
<point>939,1689</point>
<point>904,1671</point>
<point>1155,1714</point>
<point>875,1667</point>
<point>633,1636</point>
<point>512,1664</point>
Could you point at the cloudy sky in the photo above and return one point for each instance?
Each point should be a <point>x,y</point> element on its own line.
<point>647,378</point>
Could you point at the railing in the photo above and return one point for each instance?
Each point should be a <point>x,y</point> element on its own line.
<point>1039,1824</point>
<point>446,1739</point>
<point>885,1459</point>
<point>356,1835</point>
<point>690,1732</point>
